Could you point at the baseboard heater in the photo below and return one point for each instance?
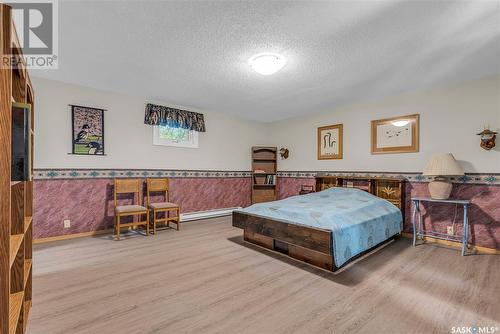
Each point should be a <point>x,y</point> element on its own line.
<point>185,217</point>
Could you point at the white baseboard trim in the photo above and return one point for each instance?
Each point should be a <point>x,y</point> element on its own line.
<point>185,217</point>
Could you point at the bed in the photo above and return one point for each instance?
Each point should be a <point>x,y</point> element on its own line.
<point>345,218</point>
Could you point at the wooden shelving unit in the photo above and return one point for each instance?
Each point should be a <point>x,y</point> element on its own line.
<point>264,180</point>
<point>391,189</point>
<point>16,241</point>
<point>15,306</point>
<point>16,197</point>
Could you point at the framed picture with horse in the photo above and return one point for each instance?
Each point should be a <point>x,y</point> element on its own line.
<point>330,142</point>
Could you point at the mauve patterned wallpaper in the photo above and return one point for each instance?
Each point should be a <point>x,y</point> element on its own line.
<point>484,216</point>
<point>290,186</point>
<point>88,203</point>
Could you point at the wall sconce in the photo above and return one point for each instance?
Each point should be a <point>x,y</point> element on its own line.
<point>487,138</point>
<point>284,153</point>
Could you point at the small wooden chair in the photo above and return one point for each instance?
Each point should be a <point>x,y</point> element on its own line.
<point>162,185</point>
<point>125,186</point>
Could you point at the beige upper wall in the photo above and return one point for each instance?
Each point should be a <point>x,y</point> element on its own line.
<point>128,141</point>
<point>450,118</point>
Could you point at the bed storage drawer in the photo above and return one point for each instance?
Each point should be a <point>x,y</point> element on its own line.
<point>258,239</point>
<point>307,244</point>
<point>281,246</point>
<point>300,253</point>
<point>300,235</point>
<point>310,256</point>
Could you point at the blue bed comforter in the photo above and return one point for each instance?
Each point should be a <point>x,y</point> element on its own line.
<point>358,220</point>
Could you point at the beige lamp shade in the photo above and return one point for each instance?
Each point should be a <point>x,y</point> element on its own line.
<point>443,165</point>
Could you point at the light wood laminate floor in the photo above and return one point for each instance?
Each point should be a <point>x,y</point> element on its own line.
<point>204,279</point>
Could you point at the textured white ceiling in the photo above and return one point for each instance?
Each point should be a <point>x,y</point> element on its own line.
<point>194,53</point>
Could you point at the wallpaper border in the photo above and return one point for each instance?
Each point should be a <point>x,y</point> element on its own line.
<point>469,178</point>
<point>81,173</point>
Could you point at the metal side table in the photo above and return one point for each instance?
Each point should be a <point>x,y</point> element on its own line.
<point>419,232</point>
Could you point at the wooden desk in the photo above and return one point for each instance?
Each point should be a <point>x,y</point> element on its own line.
<point>419,232</point>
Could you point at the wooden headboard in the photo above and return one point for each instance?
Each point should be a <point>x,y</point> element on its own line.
<point>388,188</point>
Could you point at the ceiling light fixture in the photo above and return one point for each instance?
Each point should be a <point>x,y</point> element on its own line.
<point>267,63</point>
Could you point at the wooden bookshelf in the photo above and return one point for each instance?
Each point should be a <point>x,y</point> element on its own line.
<point>264,180</point>
<point>16,197</point>
<point>15,307</point>
<point>16,241</point>
<point>27,268</point>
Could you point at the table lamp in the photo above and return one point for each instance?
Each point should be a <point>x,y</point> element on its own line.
<point>441,166</point>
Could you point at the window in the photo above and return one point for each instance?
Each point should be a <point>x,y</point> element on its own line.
<point>178,137</point>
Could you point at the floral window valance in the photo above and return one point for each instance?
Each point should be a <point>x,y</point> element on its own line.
<point>160,115</point>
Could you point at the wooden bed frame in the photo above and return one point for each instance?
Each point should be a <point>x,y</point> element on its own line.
<point>309,244</point>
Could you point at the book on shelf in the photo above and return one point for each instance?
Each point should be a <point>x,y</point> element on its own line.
<point>271,179</point>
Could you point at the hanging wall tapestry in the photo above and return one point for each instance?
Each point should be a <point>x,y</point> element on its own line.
<point>87,130</point>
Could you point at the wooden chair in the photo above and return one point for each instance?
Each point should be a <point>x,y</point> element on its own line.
<point>162,185</point>
<point>126,186</point>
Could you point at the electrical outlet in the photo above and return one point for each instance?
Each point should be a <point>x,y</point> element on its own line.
<point>67,223</point>
<point>450,230</point>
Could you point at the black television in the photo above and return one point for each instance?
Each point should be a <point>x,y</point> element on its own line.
<point>21,143</point>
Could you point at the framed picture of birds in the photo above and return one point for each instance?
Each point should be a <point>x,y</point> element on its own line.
<point>87,130</point>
